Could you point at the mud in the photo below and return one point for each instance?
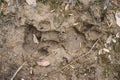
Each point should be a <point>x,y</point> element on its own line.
<point>63,37</point>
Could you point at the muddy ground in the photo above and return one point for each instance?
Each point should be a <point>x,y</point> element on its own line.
<point>76,43</point>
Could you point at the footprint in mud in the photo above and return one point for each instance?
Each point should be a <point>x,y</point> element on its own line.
<point>75,42</point>
<point>44,38</point>
<point>93,34</point>
<point>29,44</point>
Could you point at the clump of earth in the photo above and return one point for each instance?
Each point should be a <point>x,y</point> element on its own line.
<point>63,38</point>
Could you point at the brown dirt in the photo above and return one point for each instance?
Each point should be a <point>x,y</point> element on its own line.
<point>61,42</point>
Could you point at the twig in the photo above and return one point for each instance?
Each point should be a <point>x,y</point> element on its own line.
<point>17,71</point>
<point>90,48</point>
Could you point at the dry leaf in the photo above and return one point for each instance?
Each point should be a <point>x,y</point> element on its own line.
<point>43,63</point>
<point>72,66</point>
<point>106,50</point>
<point>31,2</point>
<point>35,39</point>
<point>109,57</point>
<point>71,14</point>
<point>100,51</point>
<point>114,40</point>
<point>70,2</point>
<point>117,15</point>
<point>52,10</point>
<point>31,71</point>
<point>2,6</point>
<point>109,39</point>
<point>118,35</point>
<point>75,24</point>
<point>67,7</point>
<point>22,79</point>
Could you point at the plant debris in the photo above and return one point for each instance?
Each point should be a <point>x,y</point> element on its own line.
<point>32,3</point>
<point>35,39</point>
<point>43,63</point>
<point>117,15</point>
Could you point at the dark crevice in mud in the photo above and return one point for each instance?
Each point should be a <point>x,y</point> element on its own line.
<point>87,26</point>
<point>44,50</point>
<point>29,45</point>
<point>80,34</point>
<point>30,29</point>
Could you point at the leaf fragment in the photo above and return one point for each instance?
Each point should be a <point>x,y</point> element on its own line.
<point>35,39</point>
<point>117,16</point>
<point>31,3</point>
<point>43,63</point>
<point>106,50</point>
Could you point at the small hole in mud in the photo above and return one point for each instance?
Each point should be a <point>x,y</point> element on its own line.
<point>43,51</point>
<point>76,38</point>
<point>1,46</point>
<point>87,26</point>
<point>41,28</point>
